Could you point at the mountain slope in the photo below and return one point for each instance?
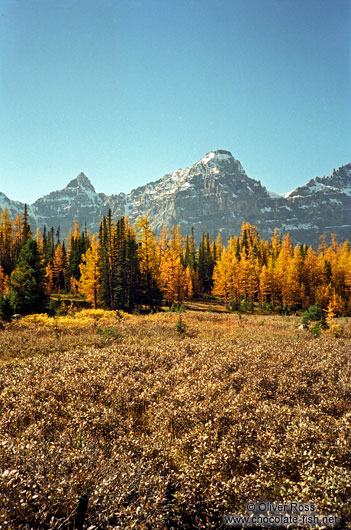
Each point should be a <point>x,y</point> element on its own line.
<point>214,195</point>
<point>325,204</point>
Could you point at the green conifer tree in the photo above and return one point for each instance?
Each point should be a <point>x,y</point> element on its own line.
<point>206,264</point>
<point>27,293</point>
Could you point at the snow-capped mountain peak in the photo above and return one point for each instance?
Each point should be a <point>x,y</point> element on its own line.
<point>221,158</point>
<point>82,182</point>
<point>216,156</point>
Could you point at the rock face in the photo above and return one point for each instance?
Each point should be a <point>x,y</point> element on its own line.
<point>13,207</point>
<point>322,206</point>
<point>77,201</point>
<point>215,195</point>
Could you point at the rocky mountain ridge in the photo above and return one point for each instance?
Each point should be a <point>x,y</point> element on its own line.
<point>214,195</point>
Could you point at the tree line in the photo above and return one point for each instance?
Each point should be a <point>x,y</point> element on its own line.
<point>127,267</point>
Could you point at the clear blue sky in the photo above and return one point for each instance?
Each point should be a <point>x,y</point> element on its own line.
<point>128,90</point>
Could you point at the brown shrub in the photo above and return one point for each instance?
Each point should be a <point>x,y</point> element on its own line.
<point>169,432</point>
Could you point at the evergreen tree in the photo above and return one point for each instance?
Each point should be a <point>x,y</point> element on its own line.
<point>120,279</point>
<point>205,264</point>
<point>58,234</point>
<point>48,244</point>
<point>44,243</point>
<point>26,231</point>
<point>119,268</point>
<point>106,294</point>
<point>189,259</point>
<point>26,293</point>
<point>78,244</point>
<point>132,273</point>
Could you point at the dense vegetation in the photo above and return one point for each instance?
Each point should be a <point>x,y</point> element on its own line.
<point>125,267</point>
<point>167,428</point>
<point>170,420</point>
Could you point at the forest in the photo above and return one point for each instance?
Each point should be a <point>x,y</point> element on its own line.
<point>125,267</point>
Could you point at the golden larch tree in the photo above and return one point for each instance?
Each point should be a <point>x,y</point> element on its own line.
<point>172,272</point>
<point>265,285</point>
<point>2,280</point>
<point>59,267</point>
<point>90,274</point>
<point>6,241</point>
<point>223,276</point>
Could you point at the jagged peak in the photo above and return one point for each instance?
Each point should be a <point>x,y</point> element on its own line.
<point>346,169</point>
<point>345,166</point>
<point>81,181</point>
<point>337,181</point>
<point>337,177</point>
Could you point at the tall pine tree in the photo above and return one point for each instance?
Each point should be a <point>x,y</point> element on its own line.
<point>27,293</point>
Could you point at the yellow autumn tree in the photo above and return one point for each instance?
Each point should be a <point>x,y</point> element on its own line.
<point>49,278</point>
<point>247,277</point>
<point>161,244</point>
<point>189,288</point>
<point>147,253</point>
<point>281,270</point>
<point>172,272</point>
<point>223,276</point>
<point>348,279</point>
<point>89,283</point>
<point>6,242</point>
<point>293,288</point>
<point>265,285</point>
<point>39,239</point>
<point>275,245</point>
<point>2,280</point>
<point>59,267</point>
<point>312,277</point>
<point>336,305</point>
<point>17,233</point>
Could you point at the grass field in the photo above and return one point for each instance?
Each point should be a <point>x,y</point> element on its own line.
<point>166,430</point>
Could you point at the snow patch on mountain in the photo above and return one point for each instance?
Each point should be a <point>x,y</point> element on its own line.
<point>274,195</point>
<point>13,207</point>
<point>217,156</point>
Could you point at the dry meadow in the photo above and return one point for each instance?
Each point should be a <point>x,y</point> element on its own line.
<point>166,430</point>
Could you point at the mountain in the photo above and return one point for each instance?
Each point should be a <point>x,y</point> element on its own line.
<point>13,207</point>
<point>324,204</point>
<point>78,200</point>
<point>214,195</point>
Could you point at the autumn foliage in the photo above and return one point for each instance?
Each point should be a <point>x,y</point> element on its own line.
<point>126,267</point>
